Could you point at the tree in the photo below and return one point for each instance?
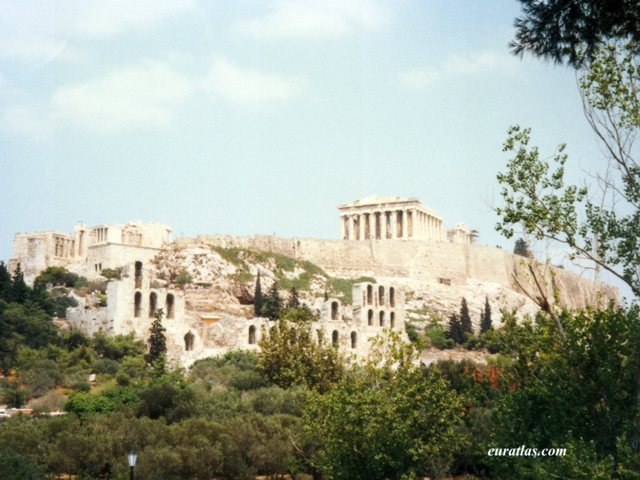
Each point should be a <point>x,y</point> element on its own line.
<point>386,422</point>
<point>599,225</point>
<point>272,303</point>
<point>56,277</point>
<point>157,341</point>
<point>455,329</point>
<point>465,320</point>
<point>294,301</point>
<point>183,278</point>
<point>581,393</point>
<point>521,248</point>
<point>5,282</point>
<point>258,299</point>
<point>572,31</point>
<point>485,318</point>
<point>290,355</point>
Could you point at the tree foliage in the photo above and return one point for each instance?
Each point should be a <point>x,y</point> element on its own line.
<point>485,319</point>
<point>381,422</point>
<point>258,299</point>
<point>157,341</point>
<point>538,200</point>
<point>290,355</point>
<point>521,248</point>
<point>572,31</point>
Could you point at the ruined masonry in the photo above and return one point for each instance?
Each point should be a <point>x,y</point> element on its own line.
<point>398,241</point>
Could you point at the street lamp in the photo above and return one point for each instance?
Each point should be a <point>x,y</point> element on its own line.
<point>132,462</point>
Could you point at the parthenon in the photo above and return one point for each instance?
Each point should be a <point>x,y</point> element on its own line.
<point>380,218</point>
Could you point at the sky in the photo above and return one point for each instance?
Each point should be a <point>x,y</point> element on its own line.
<point>260,117</point>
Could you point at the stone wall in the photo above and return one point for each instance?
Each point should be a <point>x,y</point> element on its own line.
<point>435,262</point>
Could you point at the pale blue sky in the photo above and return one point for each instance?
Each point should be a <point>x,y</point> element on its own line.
<point>262,116</point>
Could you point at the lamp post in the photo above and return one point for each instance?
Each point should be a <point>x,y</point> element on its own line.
<point>132,457</point>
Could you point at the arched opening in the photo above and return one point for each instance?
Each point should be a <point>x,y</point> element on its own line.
<point>252,335</point>
<point>334,338</point>
<point>153,304</point>
<point>382,318</point>
<point>392,319</point>
<point>188,342</point>
<point>137,304</point>
<point>369,294</point>
<point>334,310</point>
<point>169,305</point>
<point>392,297</point>
<point>380,295</point>
<point>138,274</point>
<point>354,339</point>
<point>370,317</point>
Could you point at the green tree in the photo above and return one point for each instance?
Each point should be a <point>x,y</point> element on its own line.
<point>465,319</point>
<point>20,292</point>
<point>272,303</point>
<point>383,422</point>
<point>157,341</point>
<point>183,278</point>
<point>485,319</point>
<point>294,300</point>
<point>581,393</point>
<point>454,331</point>
<point>599,225</point>
<point>521,248</point>
<point>5,283</point>
<point>290,355</point>
<point>572,31</point>
<point>56,277</point>
<point>258,299</point>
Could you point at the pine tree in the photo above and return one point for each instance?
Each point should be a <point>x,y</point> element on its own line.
<point>485,320</point>
<point>455,329</point>
<point>19,290</point>
<point>465,319</point>
<point>258,298</point>
<point>157,341</point>
<point>294,300</point>
<point>272,304</point>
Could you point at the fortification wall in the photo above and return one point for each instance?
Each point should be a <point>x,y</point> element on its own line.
<point>435,262</point>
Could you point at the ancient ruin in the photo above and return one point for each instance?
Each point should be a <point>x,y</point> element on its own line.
<point>394,257</point>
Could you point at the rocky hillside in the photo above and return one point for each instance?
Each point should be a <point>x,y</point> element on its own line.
<point>222,280</point>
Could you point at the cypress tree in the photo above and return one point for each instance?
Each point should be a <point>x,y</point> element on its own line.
<point>485,321</point>
<point>455,329</point>
<point>294,300</point>
<point>465,319</point>
<point>157,341</point>
<point>258,298</point>
<point>272,304</point>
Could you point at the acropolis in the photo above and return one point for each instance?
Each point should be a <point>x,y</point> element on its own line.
<point>391,247</point>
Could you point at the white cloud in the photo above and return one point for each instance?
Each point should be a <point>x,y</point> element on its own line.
<point>100,18</point>
<point>26,122</point>
<point>247,86</point>
<point>315,18</point>
<point>457,65</point>
<point>41,29</point>
<point>141,96</point>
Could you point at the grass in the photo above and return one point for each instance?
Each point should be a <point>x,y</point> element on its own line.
<point>340,287</point>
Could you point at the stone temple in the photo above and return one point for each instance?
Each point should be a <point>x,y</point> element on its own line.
<point>399,241</point>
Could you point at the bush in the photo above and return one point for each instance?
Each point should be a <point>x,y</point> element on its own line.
<point>106,365</point>
<point>112,273</point>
